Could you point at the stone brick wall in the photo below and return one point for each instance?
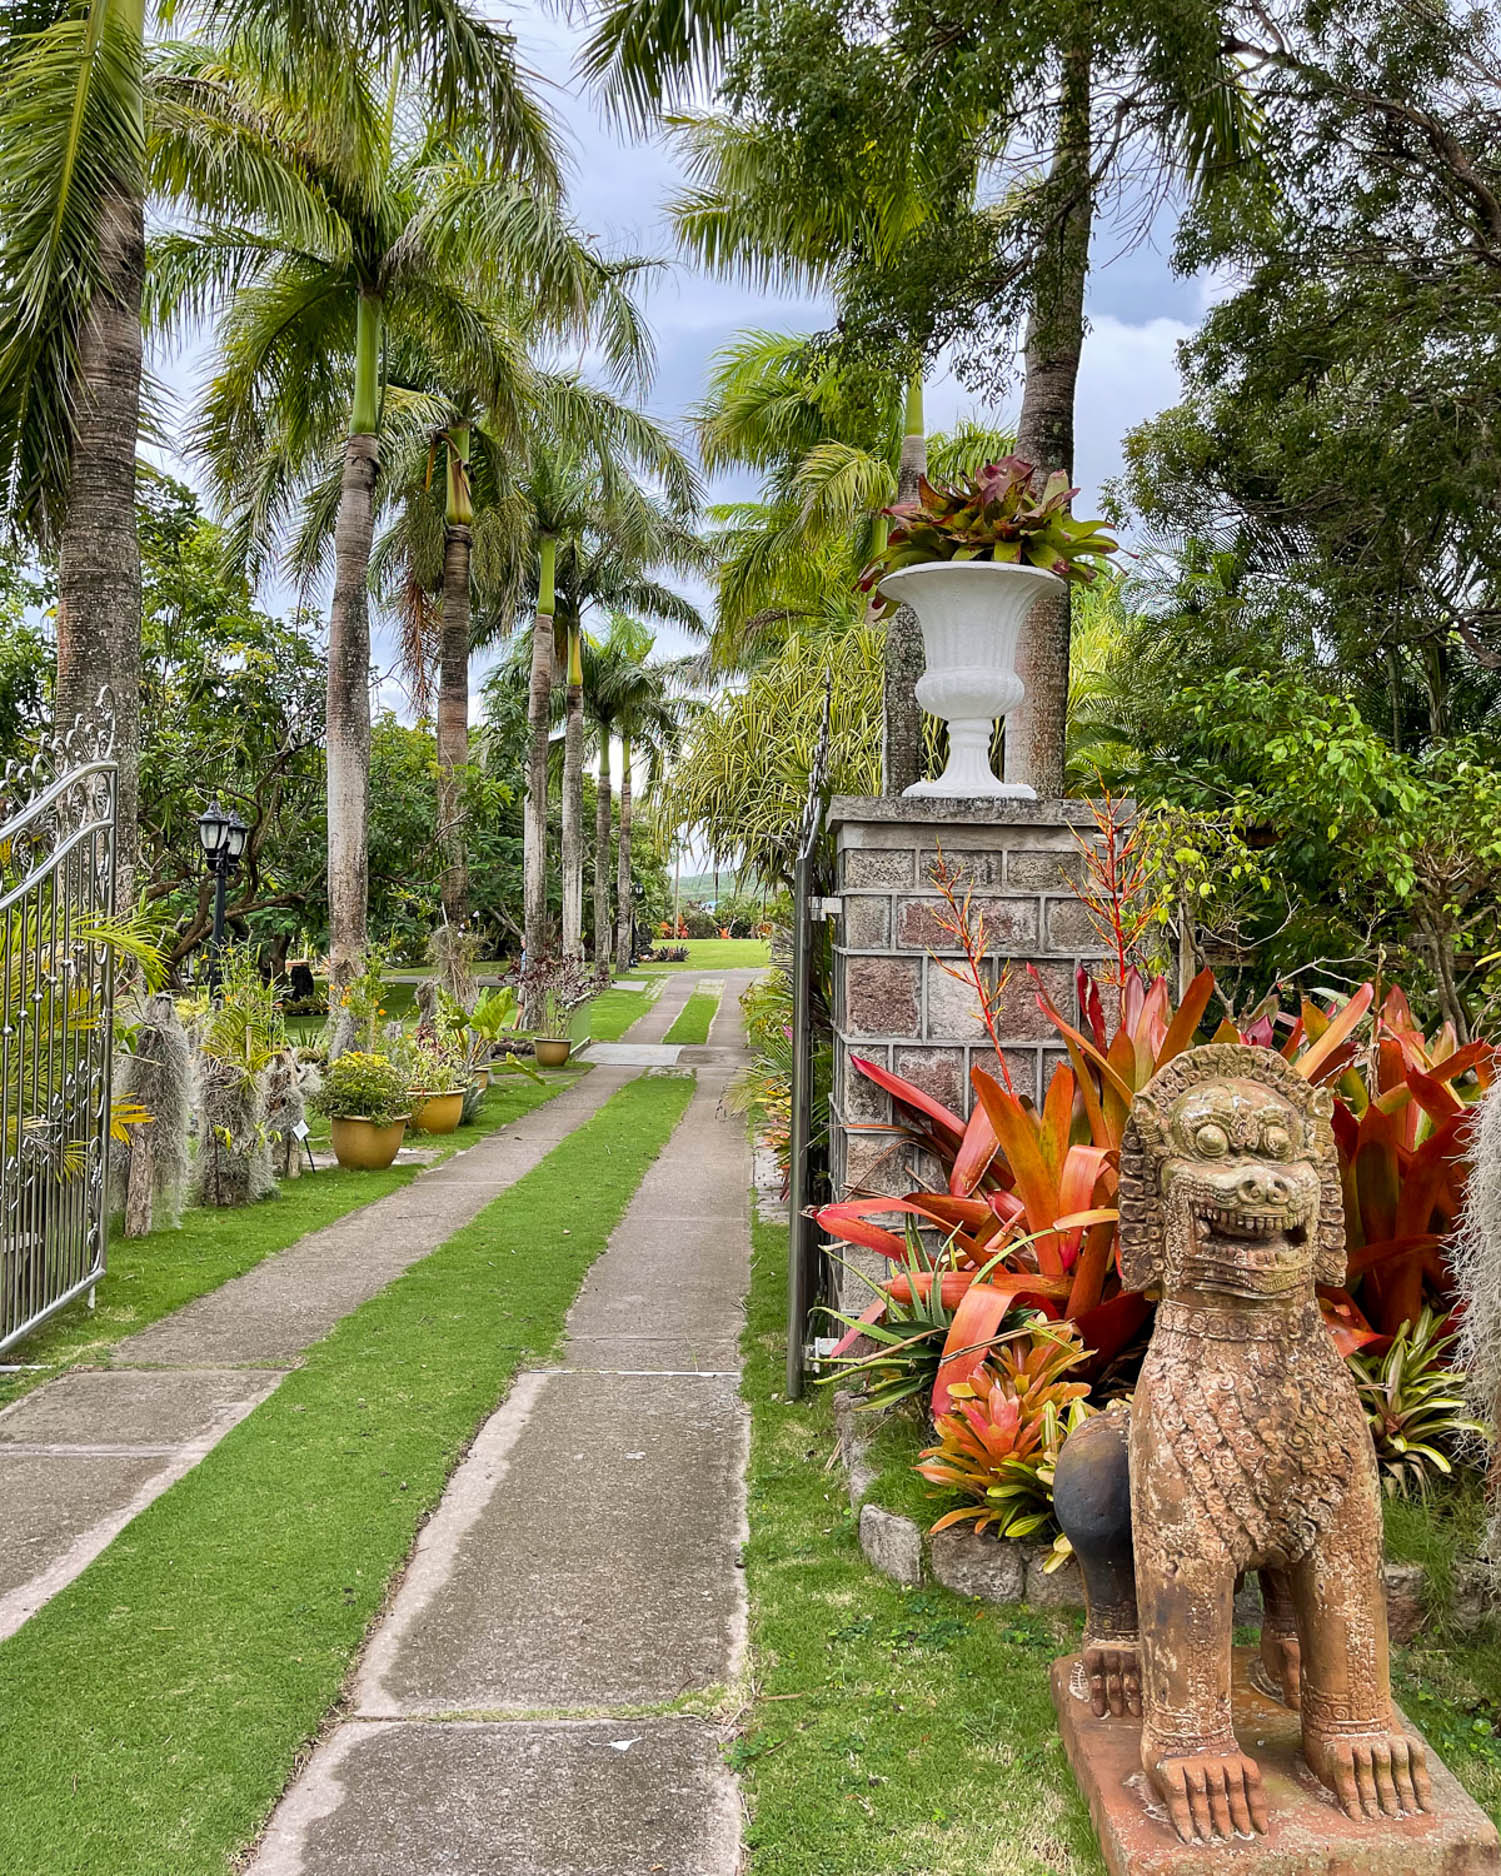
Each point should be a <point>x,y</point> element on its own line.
<point>895,1004</point>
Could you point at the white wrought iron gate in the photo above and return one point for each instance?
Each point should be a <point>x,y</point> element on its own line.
<point>57,880</point>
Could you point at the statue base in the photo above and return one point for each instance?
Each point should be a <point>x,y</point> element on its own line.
<point>1308,1834</point>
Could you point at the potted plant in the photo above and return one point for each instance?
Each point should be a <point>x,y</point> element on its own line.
<point>493,1017</point>
<point>365,1099</point>
<point>972,561</point>
<point>554,988</point>
<point>439,1073</point>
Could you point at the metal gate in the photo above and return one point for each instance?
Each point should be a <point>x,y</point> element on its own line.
<point>807,910</point>
<point>57,882</point>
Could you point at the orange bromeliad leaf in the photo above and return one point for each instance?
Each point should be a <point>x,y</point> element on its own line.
<point>979,1315</point>
<point>976,1151</point>
<point>1340,1028</point>
<point>1017,1130</point>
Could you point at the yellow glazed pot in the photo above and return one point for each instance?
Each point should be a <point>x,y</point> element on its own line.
<point>362,1146</point>
<point>438,1113</point>
<point>551,1051</point>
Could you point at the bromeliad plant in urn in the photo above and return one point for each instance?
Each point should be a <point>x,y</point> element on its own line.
<point>972,561</point>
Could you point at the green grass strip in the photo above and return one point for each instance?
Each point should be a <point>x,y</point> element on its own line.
<point>150,1277</point>
<point>900,1731</point>
<point>693,1020</point>
<point>151,1714</point>
<point>608,1016</point>
<point>892,1731</point>
<point>716,954</point>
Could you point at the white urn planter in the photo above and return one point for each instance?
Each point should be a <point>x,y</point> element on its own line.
<point>971,613</point>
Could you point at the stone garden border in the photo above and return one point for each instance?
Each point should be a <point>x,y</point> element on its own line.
<point>999,1570</point>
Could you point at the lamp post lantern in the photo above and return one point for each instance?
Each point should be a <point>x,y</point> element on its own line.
<point>223,836</point>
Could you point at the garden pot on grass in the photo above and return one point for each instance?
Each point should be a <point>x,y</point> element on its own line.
<point>482,1076</point>
<point>551,1051</point>
<point>971,613</point>
<point>438,1113</point>
<point>362,1145</point>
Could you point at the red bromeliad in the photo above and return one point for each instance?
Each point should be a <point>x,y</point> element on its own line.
<point>1027,1213</point>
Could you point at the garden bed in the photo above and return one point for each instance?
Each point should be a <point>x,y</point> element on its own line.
<point>1433,1578</point>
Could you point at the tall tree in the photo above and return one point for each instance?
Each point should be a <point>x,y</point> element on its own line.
<point>91,116</point>
<point>597,534</point>
<point>421,227</point>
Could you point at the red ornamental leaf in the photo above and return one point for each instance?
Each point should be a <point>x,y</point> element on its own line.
<point>944,1119</point>
<point>976,1320</point>
<point>844,1221</point>
<point>1340,1029</point>
<point>975,1154</point>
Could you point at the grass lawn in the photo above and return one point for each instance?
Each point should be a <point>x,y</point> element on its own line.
<point>152,1713</point>
<point>608,1016</point>
<point>891,1732</point>
<point>693,1020</point>
<point>717,954</point>
<point>899,1732</point>
<point>151,1276</point>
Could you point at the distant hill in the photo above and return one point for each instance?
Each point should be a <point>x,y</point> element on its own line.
<point>700,886</point>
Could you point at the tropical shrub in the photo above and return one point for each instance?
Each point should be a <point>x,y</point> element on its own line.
<point>555,988</point>
<point>993,515</point>
<point>764,1087</point>
<point>998,1444</point>
<point>666,954</point>
<point>1415,1402</point>
<point>363,1086</point>
<point>495,1014</point>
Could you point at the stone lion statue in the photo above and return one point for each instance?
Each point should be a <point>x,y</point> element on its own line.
<point>1247,1450</point>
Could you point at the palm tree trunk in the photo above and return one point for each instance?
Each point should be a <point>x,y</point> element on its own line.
<point>453,680</point>
<point>573,800</point>
<point>626,910</point>
<point>902,726</point>
<point>539,721</point>
<point>349,664</point>
<point>1037,731</point>
<point>99,563</point>
<point>603,807</point>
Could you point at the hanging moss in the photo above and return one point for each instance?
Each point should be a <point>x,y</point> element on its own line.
<point>284,1113</point>
<point>159,1074</point>
<point>1475,1261</point>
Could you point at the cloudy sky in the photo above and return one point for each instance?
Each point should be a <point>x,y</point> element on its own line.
<point>1137,310</point>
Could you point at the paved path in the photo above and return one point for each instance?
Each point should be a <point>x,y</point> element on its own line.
<point>83,1455</point>
<point>514,1713</point>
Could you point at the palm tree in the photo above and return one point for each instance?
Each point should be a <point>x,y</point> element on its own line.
<point>1171,77</point>
<point>90,118</point>
<point>830,440</point>
<point>422,228</point>
<point>759,209</point>
<point>597,535</point>
<point>648,705</point>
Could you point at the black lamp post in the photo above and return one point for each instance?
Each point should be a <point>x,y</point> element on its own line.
<point>223,835</point>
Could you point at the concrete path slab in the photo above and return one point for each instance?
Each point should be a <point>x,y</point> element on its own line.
<point>613,1798</point>
<point>600,1569</point>
<point>130,1408</point>
<point>270,1315</point>
<point>585,1557</point>
<point>633,1054</point>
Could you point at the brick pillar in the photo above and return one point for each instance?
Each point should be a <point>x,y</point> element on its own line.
<point>895,1005</point>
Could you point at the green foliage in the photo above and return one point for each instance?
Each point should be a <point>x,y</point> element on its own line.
<point>1415,1403</point>
<point>360,1086</point>
<point>496,1012</point>
<point>1371,857</point>
<point>239,1028</point>
<point>993,515</point>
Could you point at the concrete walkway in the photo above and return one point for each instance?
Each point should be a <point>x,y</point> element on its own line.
<point>86,1453</point>
<point>519,1710</point>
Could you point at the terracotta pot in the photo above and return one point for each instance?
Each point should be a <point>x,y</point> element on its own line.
<point>438,1113</point>
<point>551,1051</point>
<point>362,1145</point>
<point>971,613</point>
